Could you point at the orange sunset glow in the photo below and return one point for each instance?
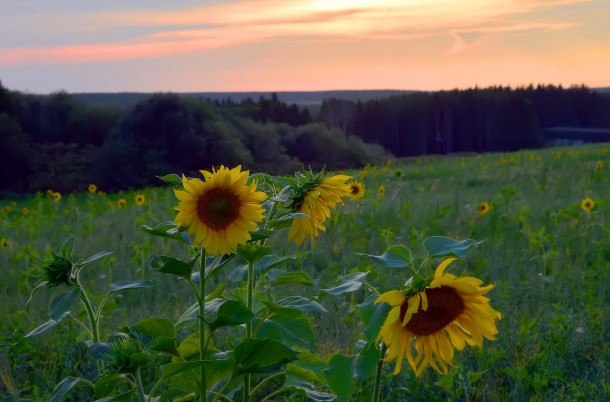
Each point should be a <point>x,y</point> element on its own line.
<point>303,45</point>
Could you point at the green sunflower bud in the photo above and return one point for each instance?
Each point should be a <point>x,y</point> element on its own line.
<point>57,270</point>
<point>127,354</point>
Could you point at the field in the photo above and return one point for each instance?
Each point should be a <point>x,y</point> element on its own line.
<point>548,257</point>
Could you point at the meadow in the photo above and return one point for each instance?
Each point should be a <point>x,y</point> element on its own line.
<point>547,255</point>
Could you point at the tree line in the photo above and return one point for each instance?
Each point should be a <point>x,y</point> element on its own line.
<point>53,141</point>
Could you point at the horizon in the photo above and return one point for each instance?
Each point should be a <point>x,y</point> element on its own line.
<point>302,46</point>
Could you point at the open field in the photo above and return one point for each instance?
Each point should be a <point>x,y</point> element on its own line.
<point>549,259</point>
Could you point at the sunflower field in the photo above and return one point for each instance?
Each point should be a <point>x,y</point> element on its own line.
<point>355,300</point>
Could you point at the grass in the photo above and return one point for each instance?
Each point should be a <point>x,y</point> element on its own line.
<point>549,259</point>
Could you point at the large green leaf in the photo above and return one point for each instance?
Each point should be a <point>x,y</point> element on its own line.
<point>289,326</point>
<point>253,252</point>
<point>366,361</point>
<point>67,248</point>
<point>172,179</point>
<point>65,388</point>
<point>396,256</point>
<point>261,356</point>
<point>62,303</point>
<point>339,376</point>
<point>106,384</point>
<point>156,327</point>
<point>98,256</point>
<point>190,313</point>
<point>169,230</point>
<point>349,283</point>
<point>171,265</point>
<point>285,221</point>
<point>260,267</point>
<point>373,316</point>
<point>303,380</point>
<point>281,277</point>
<point>439,246</point>
<point>47,325</point>
<point>300,303</point>
<point>224,313</point>
<point>122,285</point>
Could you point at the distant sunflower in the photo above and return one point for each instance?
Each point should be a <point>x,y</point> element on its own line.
<point>446,314</point>
<point>25,211</point>
<point>483,208</point>
<point>221,211</point>
<point>381,191</point>
<point>3,243</point>
<point>356,190</point>
<point>56,196</point>
<point>315,198</point>
<point>587,204</point>
<point>140,199</point>
<point>92,188</point>
<point>121,203</point>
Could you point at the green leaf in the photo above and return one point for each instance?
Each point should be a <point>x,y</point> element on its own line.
<point>171,265</point>
<point>439,246</point>
<point>396,256</point>
<point>301,379</point>
<point>62,303</point>
<point>68,247</point>
<point>260,267</point>
<point>209,269</point>
<point>64,388</point>
<point>261,234</point>
<point>225,313</point>
<point>289,326</point>
<point>190,313</point>
<point>348,283</point>
<point>124,397</point>
<point>156,327</point>
<point>171,369</point>
<point>47,325</point>
<point>172,394</point>
<point>300,303</point>
<point>261,356</point>
<point>373,316</point>
<point>339,376</point>
<point>169,230</point>
<point>36,290</point>
<point>106,384</point>
<point>121,285</point>
<point>285,221</point>
<point>366,361</point>
<point>100,351</point>
<point>164,344</point>
<point>172,179</point>
<point>253,252</point>
<point>89,260</point>
<point>281,277</point>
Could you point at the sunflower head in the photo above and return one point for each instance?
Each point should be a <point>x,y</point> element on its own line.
<point>314,196</point>
<point>121,203</point>
<point>483,208</point>
<point>434,317</point>
<point>92,188</point>
<point>221,210</point>
<point>3,243</point>
<point>140,199</point>
<point>587,204</point>
<point>357,190</point>
<point>25,211</point>
<point>57,270</point>
<point>381,191</point>
<point>127,354</point>
<point>56,196</point>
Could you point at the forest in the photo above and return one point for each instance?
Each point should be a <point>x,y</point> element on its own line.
<point>54,141</point>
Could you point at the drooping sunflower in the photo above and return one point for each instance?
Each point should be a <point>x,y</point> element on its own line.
<point>92,188</point>
<point>357,190</point>
<point>56,196</point>
<point>587,204</point>
<point>315,198</point>
<point>381,191</point>
<point>140,199</point>
<point>483,208</point>
<point>448,313</point>
<point>221,211</point>
<point>121,203</point>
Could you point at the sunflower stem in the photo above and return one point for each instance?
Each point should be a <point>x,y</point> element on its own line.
<point>250,302</point>
<point>377,387</point>
<point>139,387</point>
<point>202,340</point>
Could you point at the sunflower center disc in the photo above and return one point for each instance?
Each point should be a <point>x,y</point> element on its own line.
<point>444,306</point>
<point>218,208</point>
<point>355,190</point>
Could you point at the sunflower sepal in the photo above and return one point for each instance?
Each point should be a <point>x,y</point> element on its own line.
<point>172,178</point>
<point>253,252</point>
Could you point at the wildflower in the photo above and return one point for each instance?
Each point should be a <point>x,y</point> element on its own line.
<point>140,199</point>
<point>3,243</point>
<point>25,211</point>
<point>356,190</point>
<point>121,203</point>
<point>600,164</point>
<point>56,196</point>
<point>381,191</point>
<point>315,197</point>
<point>221,211</point>
<point>92,188</point>
<point>587,204</point>
<point>483,208</point>
<point>448,313</point>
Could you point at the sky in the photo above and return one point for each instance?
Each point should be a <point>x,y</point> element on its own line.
<point>301,45</point>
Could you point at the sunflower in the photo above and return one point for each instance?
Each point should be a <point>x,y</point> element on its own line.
<point>121,203</point>
<point>221,211</point>
<point>446,314</point>
<point>56,196</point>
<point>25,211</point>
<point>140,199</point>
<point>381,191</point>
<point>483,208</point>
<point>587,204</point>
<point>3,243</point>
<point>92,188</point>
<point>356,190</point>
<point>315,198</point>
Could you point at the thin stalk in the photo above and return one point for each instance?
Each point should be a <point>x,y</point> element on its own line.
<point>264,381</point>
<point>139,387</point>
<point>377,387</point>
<point>202,340</point>
<point>82,325</point>
<point>219,393</point>
<point>271,395</point>
<point>90,313</point>
<point>250,302</point>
